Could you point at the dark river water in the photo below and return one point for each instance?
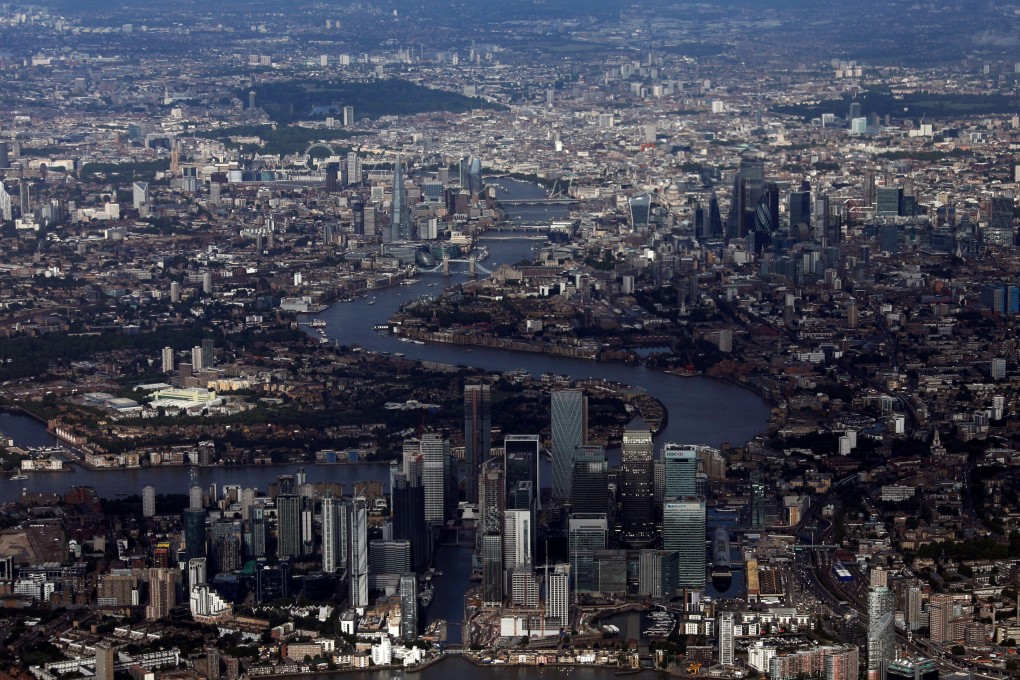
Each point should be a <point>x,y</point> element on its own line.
<point>701,411</point>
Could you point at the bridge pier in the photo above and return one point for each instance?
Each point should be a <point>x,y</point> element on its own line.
<point>471,266</point>
<point>446,265</point>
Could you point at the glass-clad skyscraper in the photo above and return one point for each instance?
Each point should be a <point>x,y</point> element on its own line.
<point>683,530</point>
<point>569,431</point>
<point>477,435</point>
<point>681,470</point>
<point>400,220</point>
<point>638,494</point>
<point>590,480</point>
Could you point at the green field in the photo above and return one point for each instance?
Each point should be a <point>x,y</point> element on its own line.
<point>913,105</point>
<point>294,100</point>
<point>280,139</point>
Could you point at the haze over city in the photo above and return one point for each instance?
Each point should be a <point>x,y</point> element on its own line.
<point>390,338</point>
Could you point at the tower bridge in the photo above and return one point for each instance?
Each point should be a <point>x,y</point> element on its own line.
<point>444,267</point>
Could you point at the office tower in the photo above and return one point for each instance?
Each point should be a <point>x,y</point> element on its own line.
<point>492,569</point>
<point>640,210</point>
<point>409,606</point>
<point>518,538</point>
<point>748,184</point>
<point>196,358</point>
<point>357,553</point>
<point>104,661</point>
<point>371,229</point>
<point>757,500</point>
<point>5,155</point>
<point>288,526</point>
<point>586,534</point>
<point>435,452</point>
<point>869,189</point>
<point>889,201</point>
<point>889,238</point>
<point>680,465</point>
<point>638,497</point>
<point>6,205</point>
<point>800,212</point>
<point>590,480</point>
<point>408,502</point>
<point>477,435</point>
<point>557,598</point>
<point>332,172</point>
<point>521,464</point>
<point>726,646</point>
<point>611,567</point>
<point>140,195</point>
<point>400,220</point>
<point>471,175</point>
<point>715,225</point>
<point>659,482</point>
<point>25,199</point>
<point>348,115</point>
<point>881,629</point>
<point>162,593</point>
<point>194,533</point>
<point>569,430</point>
<point>683,530</point>
<point>700,217</point>
<point>195,497</point>
<point>168,359</point>
<point>332,534</point>
<point>148,501</point>
<point>521,497</point>
<point>272,582</point>
<point>657,573</point>
<point>766,216</point>
<point>358,212</point>
<point>1000,212</point>
<point>208,353</point>
<point>389,557</point>
<point>353,169</point>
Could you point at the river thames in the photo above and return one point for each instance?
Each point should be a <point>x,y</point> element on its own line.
<point>700,411</point>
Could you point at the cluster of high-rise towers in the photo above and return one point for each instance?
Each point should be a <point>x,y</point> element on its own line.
<point>650,512</point>
<point>221,547</point>
<point>754,211</point>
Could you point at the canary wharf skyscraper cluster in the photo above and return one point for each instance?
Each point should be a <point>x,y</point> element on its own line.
<point>652,507</point>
